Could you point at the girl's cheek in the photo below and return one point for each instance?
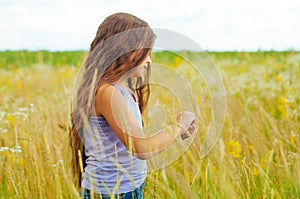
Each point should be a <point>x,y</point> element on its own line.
<point>137,72</point>
<point>140,72</point>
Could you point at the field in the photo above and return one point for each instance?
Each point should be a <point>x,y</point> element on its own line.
<point>257,155</point>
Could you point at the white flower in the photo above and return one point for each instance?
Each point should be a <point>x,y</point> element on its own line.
<point>23,109</point>
<point>32,109</point>
<point>2,115</point>
<point>3,130</point>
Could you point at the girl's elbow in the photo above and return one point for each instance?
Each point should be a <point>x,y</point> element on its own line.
<point>141,152</point>
<point>142,149</point>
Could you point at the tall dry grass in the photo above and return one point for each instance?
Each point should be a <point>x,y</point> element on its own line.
<point>256,157</point>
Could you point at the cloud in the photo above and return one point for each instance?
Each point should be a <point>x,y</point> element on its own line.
<point>214,25</point>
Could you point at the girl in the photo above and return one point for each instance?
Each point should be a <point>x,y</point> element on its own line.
<point>107,127</point>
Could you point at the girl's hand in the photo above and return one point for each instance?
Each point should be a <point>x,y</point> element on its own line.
<point>186,120</point>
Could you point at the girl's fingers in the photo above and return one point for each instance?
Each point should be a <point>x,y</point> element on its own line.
<point>184,135</point>
<point>192,127</point>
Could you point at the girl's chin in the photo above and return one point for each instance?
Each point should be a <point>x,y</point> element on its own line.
<point>136,75</point>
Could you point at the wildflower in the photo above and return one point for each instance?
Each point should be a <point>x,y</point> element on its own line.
<point>283,108</point>
<point>215,170</point>
<point>32,109</point>
<point>21,161</point>
<point>165,100</point>
<point>11,120</point>
<point>20,113</point>
<point>2,115</point>
<point>17,149</point>
<point>251,147</point>
<point>19,85</point>
<point>198,100</point>
<point>278,78</point>
<point>234,149</point>
<point>264,160</point>
<point>293,138</point>
<point>254,172</point>
<point>66,73</point>
<point>4,148</point>
<point>58,162</point>
<point>22,109</point>
<point>3,130</point>
<point>282,100</point>
<point>178,61</point>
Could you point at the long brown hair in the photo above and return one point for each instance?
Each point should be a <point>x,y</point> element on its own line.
<point>122,42</point>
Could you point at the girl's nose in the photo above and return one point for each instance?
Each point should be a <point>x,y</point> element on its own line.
<point>149,60</point>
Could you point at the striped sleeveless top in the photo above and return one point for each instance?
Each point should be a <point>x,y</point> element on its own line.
<point>110,166</point>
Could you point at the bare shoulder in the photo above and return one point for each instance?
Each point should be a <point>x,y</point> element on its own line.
<point>106,95</point>
<point>104,90</point>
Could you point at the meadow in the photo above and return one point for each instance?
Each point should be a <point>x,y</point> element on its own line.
<point>257,155</point>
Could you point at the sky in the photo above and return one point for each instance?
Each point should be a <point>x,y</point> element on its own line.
<point>215,25</point>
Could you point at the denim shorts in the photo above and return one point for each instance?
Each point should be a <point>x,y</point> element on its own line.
<point>135,194</point>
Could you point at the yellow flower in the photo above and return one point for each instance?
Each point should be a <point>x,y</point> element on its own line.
<point>18,85</point>
<point>254,172</point>
<point>251,147</point>
<point>293,138</point>
<point>278,78</point>
<point>266,77</point>
<point>283,111</point>
<point>198,100</point>
<point>178,61</point>
<point>282,107</point>
<point>215,170</point>
<point>11,120</point>
<point>165,100</point>
<point>234,149</point>
<point>282,100</point>
<point>21,162</point>
<point>265,159</point>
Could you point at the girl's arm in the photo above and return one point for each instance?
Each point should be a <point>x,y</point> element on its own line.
<point>112,105</point>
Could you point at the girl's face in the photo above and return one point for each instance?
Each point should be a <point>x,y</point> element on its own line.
<point>139,70</point>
